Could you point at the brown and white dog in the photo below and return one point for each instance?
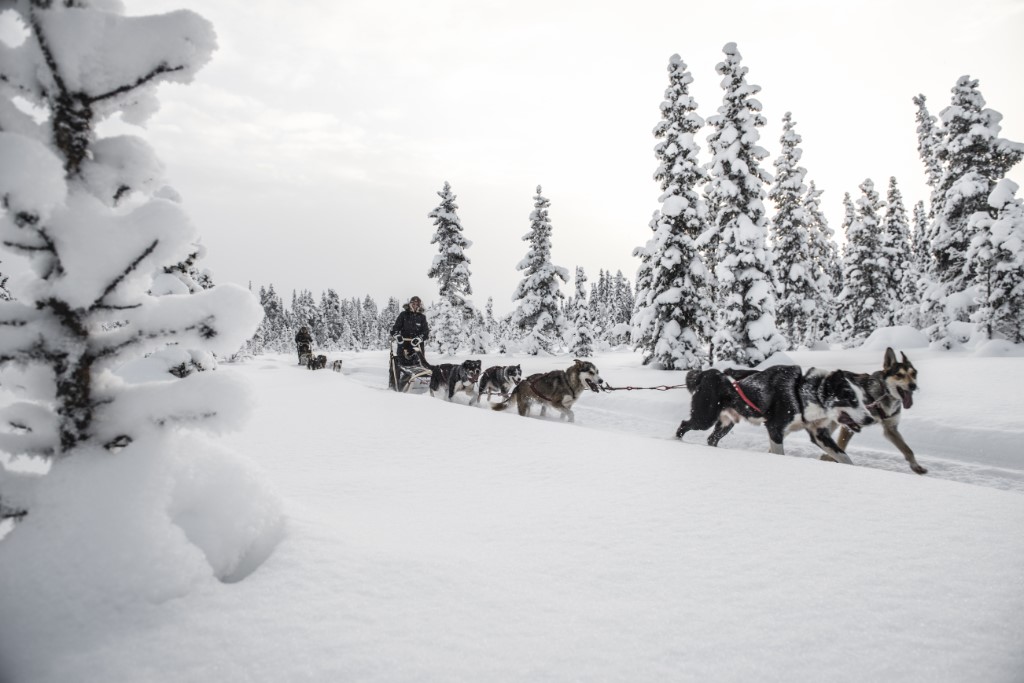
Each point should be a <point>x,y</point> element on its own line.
<point>888,393</point>
<point>558,389</point>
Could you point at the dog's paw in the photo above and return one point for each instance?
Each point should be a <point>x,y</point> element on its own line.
<point>917,468</point>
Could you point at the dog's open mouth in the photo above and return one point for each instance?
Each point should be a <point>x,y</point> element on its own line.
<point>906,396</point>
<point>849,422</point>
<point>593,386</point>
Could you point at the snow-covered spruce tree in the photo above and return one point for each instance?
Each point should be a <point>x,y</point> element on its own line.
<point>490,323</point>
<point>928,138</point>
<point>452,316</point>
<point>921,252</point>
<point>330,315</point>
<point>641,321</point>
<point>997,255</point>
<point>827,269</point>
<point>903,277</point>
<point>974,158</point>
<point>622,301</point>
<point>538,296</point>
<point>87,215</point>
<point>581,342</point>
<point>674,318</point>
<point>746,323</point>
<point>371,335</point>
<point>185,277</point>
<point>305,312</point>
<point>865,299</point>
<point>798,279</point>
<point>275,330</point>
<point>597,303</point>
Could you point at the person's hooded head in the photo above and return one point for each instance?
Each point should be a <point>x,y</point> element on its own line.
<point>415,304</point>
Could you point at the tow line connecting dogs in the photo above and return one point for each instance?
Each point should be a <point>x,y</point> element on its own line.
<point>783,399</point>
<point>558,389</point>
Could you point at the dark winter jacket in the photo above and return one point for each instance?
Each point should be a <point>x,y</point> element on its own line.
<point>302,336</point>
<point>410,324</point>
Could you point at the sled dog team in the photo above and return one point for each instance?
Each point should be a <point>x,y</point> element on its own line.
<point>783,398</point>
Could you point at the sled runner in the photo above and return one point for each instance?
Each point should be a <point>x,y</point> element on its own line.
<point>409,368</point>
<point>305,353</point>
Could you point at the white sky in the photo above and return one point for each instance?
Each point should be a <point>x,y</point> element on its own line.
<point>311,149</point>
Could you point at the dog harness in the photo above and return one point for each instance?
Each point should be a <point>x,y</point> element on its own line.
<point>533,386</point>
<point>736,386</point>
<point>878,406</point>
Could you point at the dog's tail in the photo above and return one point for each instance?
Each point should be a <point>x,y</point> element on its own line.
<point>507,402</point>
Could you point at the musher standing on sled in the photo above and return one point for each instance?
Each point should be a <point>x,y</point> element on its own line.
<point>303,338</point>
<point>411,323</point>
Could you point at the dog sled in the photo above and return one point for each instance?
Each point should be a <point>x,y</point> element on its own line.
<point>305,353</point>
<point>408,365</point>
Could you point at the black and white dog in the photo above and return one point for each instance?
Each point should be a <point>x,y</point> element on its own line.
<point>782,398</point>
<point>499,379</point>
<point>889,392</point>
<point>452,378</point>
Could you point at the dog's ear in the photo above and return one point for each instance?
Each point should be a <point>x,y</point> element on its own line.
<point>906,361</point>
<point>890,359</point>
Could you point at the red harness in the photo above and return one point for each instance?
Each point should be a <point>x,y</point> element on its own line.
<point>736,386</point>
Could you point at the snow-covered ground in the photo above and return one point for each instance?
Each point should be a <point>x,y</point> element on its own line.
<point>435,541</point>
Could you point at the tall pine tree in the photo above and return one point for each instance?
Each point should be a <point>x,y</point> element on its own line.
<point>581,343</point>
<point>997,255</point>
<point>974,158</point>
<point>797,276</point>
<point>896,246</point>
<point>828,271</point>
<point>865,298</point>
<point>452,316</point>
<point>746,333</point>
<point>674,317</point>
<point>538,296</point>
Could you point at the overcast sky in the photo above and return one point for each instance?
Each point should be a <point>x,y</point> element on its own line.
<point>310,150</point>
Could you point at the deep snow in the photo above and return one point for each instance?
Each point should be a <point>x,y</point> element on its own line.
<point>434,541</point>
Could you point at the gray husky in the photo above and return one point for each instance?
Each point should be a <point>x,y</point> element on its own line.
<point>888,393</point>
<point>558,389</point>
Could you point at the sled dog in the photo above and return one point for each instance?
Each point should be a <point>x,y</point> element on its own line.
<point>451,378</point>
<point>782,398</point>
<point>336,365</point>
<point>316,362</point>
<point>558,389</point>
<point>499,379</point>
<point>888,392</point>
